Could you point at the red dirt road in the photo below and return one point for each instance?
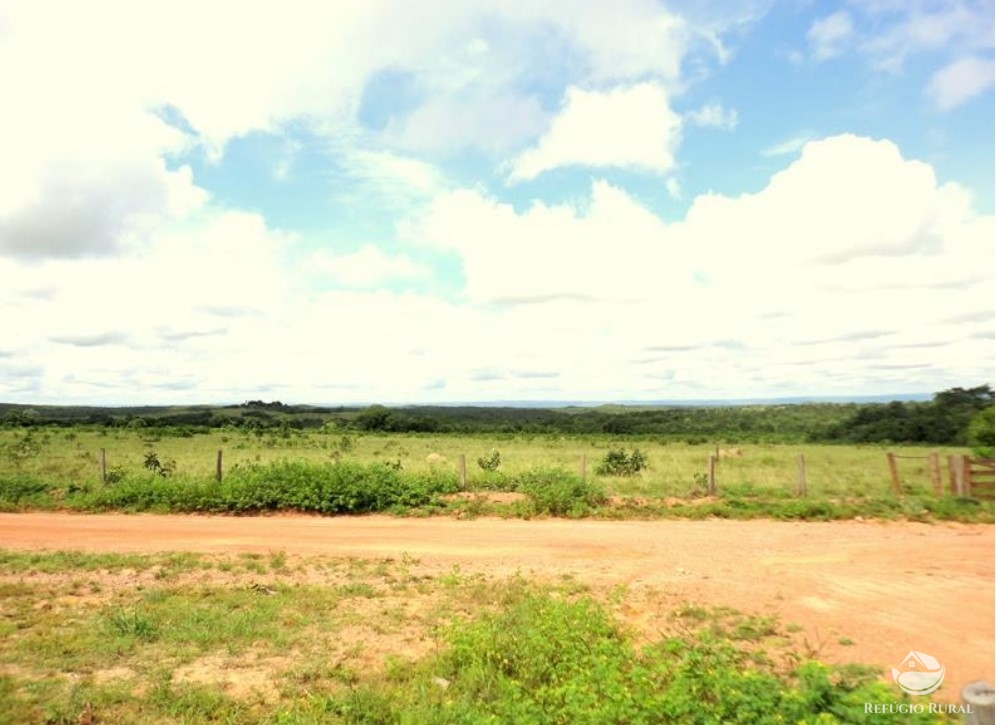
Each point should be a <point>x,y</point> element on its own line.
<point>888,587</point>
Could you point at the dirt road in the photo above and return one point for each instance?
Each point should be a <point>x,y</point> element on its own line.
<point>887,587</point>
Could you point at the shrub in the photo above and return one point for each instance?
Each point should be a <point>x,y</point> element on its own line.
<point>490,462</point>
<point>619,463</point>
<point>22,491</point>
<point>326,488</point>
<point>556,492</point>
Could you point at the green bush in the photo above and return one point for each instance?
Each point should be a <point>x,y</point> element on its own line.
<point>490,462</point>
<point>325,488</point>
<point>22,491</point>
<point>557,492</point>
<point>619,463</point>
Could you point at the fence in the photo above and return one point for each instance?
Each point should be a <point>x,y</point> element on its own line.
<point>979,477</point>
<point>969,477</point>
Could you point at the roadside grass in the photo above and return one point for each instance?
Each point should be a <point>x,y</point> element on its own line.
<point>331,473</point>
<point>362,641</point>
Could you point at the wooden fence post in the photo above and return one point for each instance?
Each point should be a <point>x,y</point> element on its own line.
<point>952,476</point>
<point>462,469</point>
<point>584,467</point>
<point>981,699</point>
<point>935,473</point>
<point>966,475</point>
<point>103,465</point>
<point>958,473</point>
<point>801,474</point>
<point>893,472</point>
<point>711,477</point>
<point>217,467</point>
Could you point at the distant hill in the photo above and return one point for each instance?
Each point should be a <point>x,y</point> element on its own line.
<point>682,403</point>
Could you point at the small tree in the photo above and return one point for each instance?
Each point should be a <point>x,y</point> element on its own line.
<point>153,463</point>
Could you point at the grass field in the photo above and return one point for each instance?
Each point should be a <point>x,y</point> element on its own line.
<point>675,469</point>
<point>88,638</point>
<point>66,461</point>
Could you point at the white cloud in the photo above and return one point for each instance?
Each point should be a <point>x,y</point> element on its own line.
<point>851,254</point>
<point>632,127</point>
<point>960,81</point>
<point>850,238</point>
<point>829,36</point>
<point>715,115</point>
<point>83,169</point>
<point>549,252</point>
<point>367,267</point>
<point>846,197</point>
<point>123,280</point>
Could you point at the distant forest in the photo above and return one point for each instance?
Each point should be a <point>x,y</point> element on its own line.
<point>959,416</point>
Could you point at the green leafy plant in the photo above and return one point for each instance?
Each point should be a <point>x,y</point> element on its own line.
<point>152,463</point>
<point>619,463</point>
<point>490,462</point>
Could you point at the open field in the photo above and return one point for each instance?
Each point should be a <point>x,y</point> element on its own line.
<point>311,619</point>
<point>674,469</point>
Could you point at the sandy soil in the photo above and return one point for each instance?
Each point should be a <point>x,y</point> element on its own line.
<point>886,587</point>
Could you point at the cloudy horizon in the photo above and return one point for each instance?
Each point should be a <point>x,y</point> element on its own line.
<point>442,202</point>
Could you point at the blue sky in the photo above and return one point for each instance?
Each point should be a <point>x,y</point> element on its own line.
<point>470,201</point>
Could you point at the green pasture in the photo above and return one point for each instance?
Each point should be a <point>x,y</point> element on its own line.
<point>675,469</point>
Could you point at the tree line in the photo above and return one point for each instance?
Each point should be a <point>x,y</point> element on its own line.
<point>958,416</point>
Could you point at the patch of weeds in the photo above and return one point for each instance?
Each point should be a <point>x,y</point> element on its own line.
<point>357,589</point>
<point>541,658</point>
<point>754,628</point>
<point>692,612</point>
<point>132,623</point>
<point>191,703</point>
<point>278,561</point>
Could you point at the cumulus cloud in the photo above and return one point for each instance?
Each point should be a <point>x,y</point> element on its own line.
<point>123,277</point>
<point>631,127</point>
<point>849,231</point>
<point>960,81</point>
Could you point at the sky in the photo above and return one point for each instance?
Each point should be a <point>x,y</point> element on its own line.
<point>382,201</point>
